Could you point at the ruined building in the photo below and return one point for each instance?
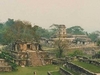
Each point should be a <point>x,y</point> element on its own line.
<point>61,34</point>
<point>28,54</point>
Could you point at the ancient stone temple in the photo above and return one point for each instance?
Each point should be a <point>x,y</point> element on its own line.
<point>28,54</point>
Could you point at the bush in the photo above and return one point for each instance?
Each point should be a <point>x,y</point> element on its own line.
<point>75,53</point>
<point>9,59</point>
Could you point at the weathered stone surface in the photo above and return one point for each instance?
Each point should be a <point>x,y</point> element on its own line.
<point>4,67</point>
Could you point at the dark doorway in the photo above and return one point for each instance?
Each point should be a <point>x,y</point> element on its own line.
<point>28,46</point>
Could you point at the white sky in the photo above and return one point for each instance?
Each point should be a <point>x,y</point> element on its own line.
<point>85,13</point>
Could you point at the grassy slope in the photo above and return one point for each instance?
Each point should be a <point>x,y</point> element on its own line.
<point>40,70</point>
<point>90,67</point>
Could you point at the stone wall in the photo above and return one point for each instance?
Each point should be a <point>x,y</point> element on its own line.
<point>64,72</point>
<point>94,62</point>
<point>86,50</point>
<point>87,60</point>
<point>49,73</point>
<point>4,67</point>
<point>78,69</point>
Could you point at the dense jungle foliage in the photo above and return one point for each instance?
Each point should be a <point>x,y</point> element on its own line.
<point>12,30</point>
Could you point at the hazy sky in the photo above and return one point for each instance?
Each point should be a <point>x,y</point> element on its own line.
<point>85,13</point>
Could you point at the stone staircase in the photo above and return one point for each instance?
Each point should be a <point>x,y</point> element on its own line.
<point>35,59</point>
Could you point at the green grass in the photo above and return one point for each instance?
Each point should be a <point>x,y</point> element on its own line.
<point>40,70</point>
<point>55,73</point>
<point>90,67</point>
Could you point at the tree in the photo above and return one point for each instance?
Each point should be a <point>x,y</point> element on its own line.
<point>9,22</point>
<point>61,44</point>
<point>44,32</point>
<point>76,30</point>
<point>94,35</point>
<point>1,27</point>
<point>36,35</point>
<point>55,28</point>
<point>1,32</point>
<point>76,53</point>
<point>17,29</point>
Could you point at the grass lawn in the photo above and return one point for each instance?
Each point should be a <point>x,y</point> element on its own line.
<point>40,70</point>
<point>55,73</point>
<point>90,67</point>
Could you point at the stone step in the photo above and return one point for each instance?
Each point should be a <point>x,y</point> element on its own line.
<point>35,59</point>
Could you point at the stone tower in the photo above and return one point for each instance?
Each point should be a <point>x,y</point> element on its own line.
<point>61,33</point>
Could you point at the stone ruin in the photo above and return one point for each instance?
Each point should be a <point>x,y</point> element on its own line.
<point>74,40</point>
<point>4,66</point>
<point>29,54</point>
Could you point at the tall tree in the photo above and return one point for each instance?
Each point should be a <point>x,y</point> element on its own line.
<point>36,35</point>
<point>44,32</point>
<point>94,35</point>
<point>60,44</point>
<point>76,30</point>
<point>9,22</point>
<point>17,30</point>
